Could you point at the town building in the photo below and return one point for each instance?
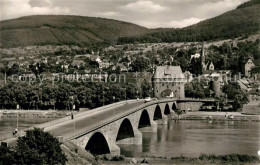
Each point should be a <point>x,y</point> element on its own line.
<point>209,66</point>
<point>78,63</point>
<point>121,67</point>
<point>205,65</point>
<point>168,81</point>
<point>249,65</point>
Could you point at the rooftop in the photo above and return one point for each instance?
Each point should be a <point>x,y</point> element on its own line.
<point>168,72</point>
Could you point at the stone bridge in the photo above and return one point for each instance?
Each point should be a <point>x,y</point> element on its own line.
<point>126,129</point>
<point>101,129</point>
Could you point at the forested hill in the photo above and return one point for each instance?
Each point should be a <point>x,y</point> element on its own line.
<point>249,3</point>
<point>64,30</point>
<point>85,31</point>
<point>242,21</point>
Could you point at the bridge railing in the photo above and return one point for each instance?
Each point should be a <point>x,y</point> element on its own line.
<point>64,119</point>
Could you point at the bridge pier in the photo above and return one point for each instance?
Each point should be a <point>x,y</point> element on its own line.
<point>172,115</point>
<point>114,149</point>
<point>136,140</point>
<point>163,121</point>
<point>152,128</point>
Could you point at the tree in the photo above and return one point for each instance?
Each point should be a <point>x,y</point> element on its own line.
<point>37,68</point>
<point>131,90</point>
<point>189,90</point>
<point>255,70</point>
<point>140,64</point>
<point>235,93</point>
<point>36,147</point>
<point>146,89</point>
<point>194,89</point>
<point>222,101</point>
<point>49,95</point>
<point>240,99</point>
<point>7,155</point>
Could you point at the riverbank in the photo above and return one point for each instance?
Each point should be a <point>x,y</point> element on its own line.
<point>203,159</point>
<point>233,116</point>
<point>34,113</point>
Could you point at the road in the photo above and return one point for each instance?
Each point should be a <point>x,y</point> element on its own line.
<point>89,120</point>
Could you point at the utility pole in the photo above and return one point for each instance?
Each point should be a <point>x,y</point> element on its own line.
<point>102,94</point>
<point>125,95</point>
<point>73,108</point>
<point>17,119</point>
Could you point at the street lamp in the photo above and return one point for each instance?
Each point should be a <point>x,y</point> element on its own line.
<point>125,96</point>
<point>114,98</point>
<point>17,119</point>
<point>73,108</point>
<point>103,97</point>
<point>72,103</point>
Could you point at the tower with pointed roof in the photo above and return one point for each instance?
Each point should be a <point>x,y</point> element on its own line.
<point>168,81</point>
<point>202,59</point>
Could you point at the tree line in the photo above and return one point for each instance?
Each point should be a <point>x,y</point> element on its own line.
<point>64,95</point>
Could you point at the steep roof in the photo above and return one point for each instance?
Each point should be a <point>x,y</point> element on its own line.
<point>77,62</point>
<point>168,72</point>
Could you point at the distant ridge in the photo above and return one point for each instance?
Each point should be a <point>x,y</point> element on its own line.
<point>86,31</point>
<point>243,21</point>
<point>64,30</point>
<point>249,3</point>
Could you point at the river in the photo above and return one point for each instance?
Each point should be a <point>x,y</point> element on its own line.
<point>186,137</point>
<point>192,138</point>
<point>8,125</point>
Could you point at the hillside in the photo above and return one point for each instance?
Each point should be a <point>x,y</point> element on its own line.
<point>243,21</point>
<point>59,30</point>
<point>85,31</point>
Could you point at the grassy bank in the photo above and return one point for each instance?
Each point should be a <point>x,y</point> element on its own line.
<point>203,159</point>
<point>237,116</point>
<point>77,155</point>
<point>33,113</point>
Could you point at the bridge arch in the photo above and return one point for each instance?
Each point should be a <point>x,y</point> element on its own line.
<point>144,120</point>
<point>167,109</point>
<point>167,93</point>
<point>174,107</point>
<point>97,144</point>
<point>157,113</point>
<point>125,130</point>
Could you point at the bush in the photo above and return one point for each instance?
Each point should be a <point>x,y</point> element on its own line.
<point>117,158</point>
<point>230,158</point>
<point>36,147</point>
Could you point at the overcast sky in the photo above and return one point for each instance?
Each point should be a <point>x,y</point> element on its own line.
<point>148,13</point>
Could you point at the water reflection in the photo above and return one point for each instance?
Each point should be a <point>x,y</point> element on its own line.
<point>191,138</point>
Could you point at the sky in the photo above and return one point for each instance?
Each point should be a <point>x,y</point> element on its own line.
<point>147,13</point>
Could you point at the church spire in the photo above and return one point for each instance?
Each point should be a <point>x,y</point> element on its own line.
<point>202,53</point>
<point>202,58</point>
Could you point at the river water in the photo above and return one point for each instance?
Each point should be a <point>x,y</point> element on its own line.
<point>192,138</point>
<point>8,125</point>
<point>187,138</point>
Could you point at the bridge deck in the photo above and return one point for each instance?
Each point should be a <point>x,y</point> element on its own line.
<point>85,121</point>
<point>82,124</point>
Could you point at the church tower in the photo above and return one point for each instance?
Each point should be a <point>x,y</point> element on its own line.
<point>202,58</point>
